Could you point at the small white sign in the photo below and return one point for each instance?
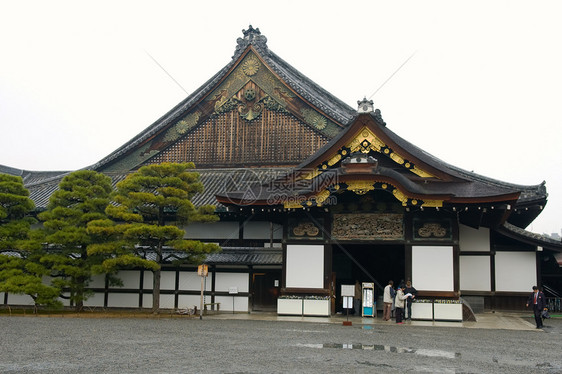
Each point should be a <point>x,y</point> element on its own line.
<point>348,302</point>
<point>233,290</point>
<point>276,283</point>
<point>348,290</point>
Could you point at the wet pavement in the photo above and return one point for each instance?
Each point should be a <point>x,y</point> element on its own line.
<point>267,343</point>
<point>497,320</point>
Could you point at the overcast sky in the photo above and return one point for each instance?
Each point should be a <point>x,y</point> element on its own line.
<point>481,91</point>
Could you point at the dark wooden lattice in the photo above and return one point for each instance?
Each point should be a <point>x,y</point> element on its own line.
<point>228,140</point>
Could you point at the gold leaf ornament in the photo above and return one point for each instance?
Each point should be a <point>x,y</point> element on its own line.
<point>251,66</point>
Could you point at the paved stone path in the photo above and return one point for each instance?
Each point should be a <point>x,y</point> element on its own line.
<point>189,345</point>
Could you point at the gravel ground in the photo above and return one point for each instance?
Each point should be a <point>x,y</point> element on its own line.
<point>190,345</point>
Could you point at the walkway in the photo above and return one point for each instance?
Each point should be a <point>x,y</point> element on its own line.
<point>497,320</point>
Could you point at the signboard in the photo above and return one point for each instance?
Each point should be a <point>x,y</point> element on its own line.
<point>203,270</point>
<point>348,290</point>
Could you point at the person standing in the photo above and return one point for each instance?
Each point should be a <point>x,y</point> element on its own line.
<point>411,290</point>
<point>538,301</point>
<point>400,299</point>
<point>357,299</point>
<point>388,297</point>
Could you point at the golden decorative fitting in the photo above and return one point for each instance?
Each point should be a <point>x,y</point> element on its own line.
<point>396,158</point>
<point>334,159</point>
<point>251,66</point>
<point>421,173</point>
<point>400,196</point>
<point>360,187</point>
<point>312,174</point>
<point>321,197</point>
<point>292,205</point>
<point>432,203</point>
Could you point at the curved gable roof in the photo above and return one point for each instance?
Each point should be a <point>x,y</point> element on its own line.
<point>310,92</point>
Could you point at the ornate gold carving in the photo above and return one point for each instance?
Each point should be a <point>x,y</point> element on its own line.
<point>368,226</point>
<point>360,187</point>
<point>433,203</point>
<point>250,110</point>
<point>251,66</point>
<point>432,229</point>
<point>314,119</point>
<point>306,228</point>
<point>272,104</point>
<point>182,126</point>
<point>312,174</point>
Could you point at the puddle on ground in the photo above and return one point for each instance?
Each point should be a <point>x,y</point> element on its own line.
<point>386,348</point>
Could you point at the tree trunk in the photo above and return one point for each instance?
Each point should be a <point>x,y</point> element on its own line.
<point>156,282</point>
<point>156,291</point>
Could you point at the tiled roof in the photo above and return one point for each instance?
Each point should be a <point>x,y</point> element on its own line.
<point>530,237</point>
<point>214,181</point>
<point>246,256</point>
<point>232,256</point>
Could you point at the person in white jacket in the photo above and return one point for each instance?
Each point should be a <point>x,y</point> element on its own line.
<point>388,298</point>
<point>400,299</point>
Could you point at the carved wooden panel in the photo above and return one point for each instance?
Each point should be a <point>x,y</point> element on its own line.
<point>432,229</point>
<point>365,226</point>
<point>228,139</point>
<point>305,229</point>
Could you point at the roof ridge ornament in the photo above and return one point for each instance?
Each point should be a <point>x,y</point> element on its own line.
<point>251,36</point>
<point>365,106</point>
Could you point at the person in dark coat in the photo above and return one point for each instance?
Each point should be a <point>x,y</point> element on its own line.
<point>411,290</point>
<point>538,301</point>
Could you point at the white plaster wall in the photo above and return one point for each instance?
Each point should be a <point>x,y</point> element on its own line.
<point>123,300</point>
<point>189,301</point>
<point>472,240</point>
<point>226,280</point>
<point>146,300</point>
<point>516,271</point>
<point>305,266</point>
<point>14,299</point>
<point>96,300</point>
<point>240,303</point>
<point>147,280</point>
<point>432,268</point>
<point>190,281</point>
<point>475,273</point>
<point>167,280</point>
<point>215,230</point>
<point>130,278</point>
<point>166,301</point>
<point>262,230</point>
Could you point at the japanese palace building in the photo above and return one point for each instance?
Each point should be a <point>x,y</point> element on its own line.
<point>313,194</point>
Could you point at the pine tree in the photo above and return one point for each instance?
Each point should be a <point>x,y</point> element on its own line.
<point>21,270</point>
<point>82,197</point>
<point>151,202</point>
